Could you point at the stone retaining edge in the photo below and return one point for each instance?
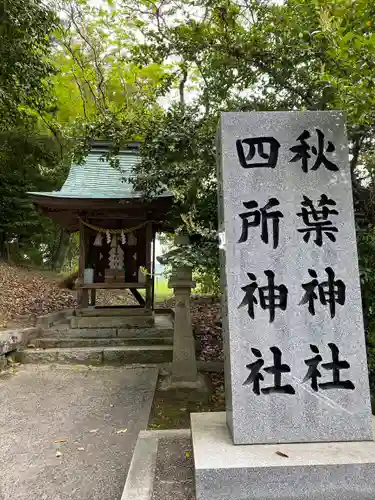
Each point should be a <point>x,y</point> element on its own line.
<point>13,340</point>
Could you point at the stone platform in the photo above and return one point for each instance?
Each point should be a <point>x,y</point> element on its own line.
<point>57,342</point>
<point>301,471</point>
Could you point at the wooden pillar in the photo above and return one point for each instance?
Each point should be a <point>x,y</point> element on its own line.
<point>153,270</point>
<point>83,293</point>
<point>149,277</point>
<point>93,296</point>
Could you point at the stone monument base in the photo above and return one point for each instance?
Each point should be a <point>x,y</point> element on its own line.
<point>188,391</point>
<point>301,471</point>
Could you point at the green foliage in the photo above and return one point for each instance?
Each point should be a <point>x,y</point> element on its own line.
<point>162,73</point>
<point>99,91</point>
<point>59,81</point>
<point>178,154</point>
<point>26,164</point>
<point>208,282</point>
<point>29,155</point>
<point>25,27</point>
<point>366,247</point>
<point>251,55</point>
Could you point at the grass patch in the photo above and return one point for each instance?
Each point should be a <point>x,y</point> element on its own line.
<point>162,292</point>
<point>171,412</point>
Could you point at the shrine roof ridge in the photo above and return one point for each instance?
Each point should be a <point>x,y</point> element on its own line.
<point>96,178</point>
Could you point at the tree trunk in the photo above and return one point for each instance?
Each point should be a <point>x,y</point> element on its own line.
<point>3,249</point>
<point>61,251</point>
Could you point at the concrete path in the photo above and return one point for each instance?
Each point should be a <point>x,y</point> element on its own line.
<point>174,471</point>
<point>88,410</point>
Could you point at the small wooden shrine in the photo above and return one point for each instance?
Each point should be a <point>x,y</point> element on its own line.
<point>117,227</point>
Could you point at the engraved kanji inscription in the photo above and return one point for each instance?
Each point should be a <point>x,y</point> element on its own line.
<point>329,292</point>
<point>277,369</point>
<point>302,152</point>
<point>335,366</point>
<point>271,296</point>
<point>260,217</point>
<point>255,377</point>
<point>267,149</point>
<point>317,220</point>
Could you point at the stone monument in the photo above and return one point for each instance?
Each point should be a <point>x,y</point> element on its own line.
<point>297,392</point>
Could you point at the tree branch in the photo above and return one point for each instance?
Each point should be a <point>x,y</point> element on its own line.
<point>182,87</point>
<point>99,71</point>
<point>82,94</point>
<point>54,132</point>
<point>82,68</point>
<point>206,97</point>
<point>267,69</point>
<point>356,150</point>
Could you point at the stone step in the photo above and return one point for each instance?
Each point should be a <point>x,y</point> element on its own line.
<point>113,311</point>
<point>118,355</point>
<point>112,322</point>
<point>64,332</point>
<point>47,342</point>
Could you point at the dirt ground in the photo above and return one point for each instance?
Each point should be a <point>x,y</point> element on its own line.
<point>171,412</point>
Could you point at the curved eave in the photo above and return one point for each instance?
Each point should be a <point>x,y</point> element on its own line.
<point>66,210</point>
<point>65,201</point>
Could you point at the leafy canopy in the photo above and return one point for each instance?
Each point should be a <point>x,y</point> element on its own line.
<point>25,70</point>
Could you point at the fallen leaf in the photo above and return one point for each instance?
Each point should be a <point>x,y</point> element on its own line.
<point>26,294</point>
<point>58,454</point>
<point>93,431</point>
<point>281,454</point>
<point>61,441</point>
<point>187,454</point>
<point>121,431</point>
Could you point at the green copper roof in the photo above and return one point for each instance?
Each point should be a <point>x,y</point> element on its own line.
<point>97,179</point>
